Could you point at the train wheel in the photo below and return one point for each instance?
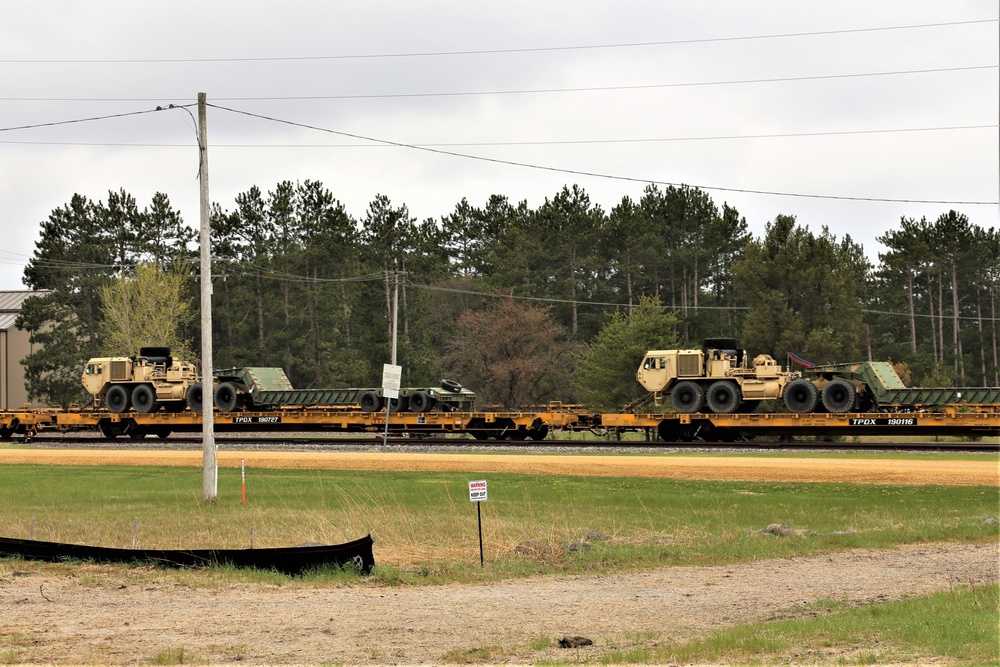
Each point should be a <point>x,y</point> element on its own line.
<point>227,396</point>
<point>195,398</point>
<point>723,397</point>
<point>538,433</point>
<point>136,432</point>
<point>109,429</point>
<point>801,396</point>
<point>117,399</point>
<point>144,398</point>
<point>687,397</point>
<point>839,395</point>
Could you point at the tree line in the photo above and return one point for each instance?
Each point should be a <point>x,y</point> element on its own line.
<point>523,305</point>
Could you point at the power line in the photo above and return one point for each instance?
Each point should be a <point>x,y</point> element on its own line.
<point>94,118</point>
<point>542,49</point>
<point>576,172</point>
<point>567,142</point>
<point>533,91</point>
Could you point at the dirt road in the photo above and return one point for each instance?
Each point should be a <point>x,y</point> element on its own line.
<point>102,616</point>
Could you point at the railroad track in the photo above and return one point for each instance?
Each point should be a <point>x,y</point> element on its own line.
<point>367,442</point>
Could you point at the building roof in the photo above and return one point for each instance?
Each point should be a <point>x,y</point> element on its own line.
<point>10,305</point>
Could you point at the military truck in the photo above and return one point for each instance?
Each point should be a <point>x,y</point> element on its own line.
<point>154,380</point>
<point>147,382</point>
<point>721,378</point>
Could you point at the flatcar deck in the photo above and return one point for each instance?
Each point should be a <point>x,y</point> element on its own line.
<point>520,425</point>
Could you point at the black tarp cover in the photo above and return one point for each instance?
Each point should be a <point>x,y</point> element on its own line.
<point>289,560</point>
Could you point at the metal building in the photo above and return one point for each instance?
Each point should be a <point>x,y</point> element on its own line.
<point>14,346</point>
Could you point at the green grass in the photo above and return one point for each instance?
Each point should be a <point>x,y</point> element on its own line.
<point>957,626</point>
<point>173,656</point>
<point>425,527</point>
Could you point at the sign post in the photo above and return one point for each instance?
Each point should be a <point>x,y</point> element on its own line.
<point>477,494</point>
<point>391,377</point>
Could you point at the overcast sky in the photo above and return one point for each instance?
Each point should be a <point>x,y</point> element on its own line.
<point>876,109</point>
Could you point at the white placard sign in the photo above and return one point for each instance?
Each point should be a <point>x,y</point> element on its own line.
<point>390,393</point>
<point>391,376</point>
<point>477,491</point>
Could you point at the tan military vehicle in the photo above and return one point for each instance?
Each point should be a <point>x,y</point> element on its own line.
<point>719,377</point>
<point>147,382</point>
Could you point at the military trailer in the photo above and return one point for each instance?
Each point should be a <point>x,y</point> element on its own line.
<point>266,388</point>
<point>154,380</point>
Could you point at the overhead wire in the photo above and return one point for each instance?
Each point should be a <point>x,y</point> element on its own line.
<point>94,118</point>
<point>567,142</point>
<point>424,54</point>
<point>577,172</point>
<point>533,91</point>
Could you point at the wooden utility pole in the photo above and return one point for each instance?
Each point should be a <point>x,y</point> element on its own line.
<point>210,465</point>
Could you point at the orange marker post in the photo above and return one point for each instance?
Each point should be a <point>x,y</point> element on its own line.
<point>243,474</point>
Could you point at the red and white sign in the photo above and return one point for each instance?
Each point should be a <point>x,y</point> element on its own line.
<point>477,491</point>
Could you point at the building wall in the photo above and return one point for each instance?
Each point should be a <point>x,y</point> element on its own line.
<point>14,347</point>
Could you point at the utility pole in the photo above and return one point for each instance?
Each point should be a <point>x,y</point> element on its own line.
<point>395,319</point>
<point>209,461</point>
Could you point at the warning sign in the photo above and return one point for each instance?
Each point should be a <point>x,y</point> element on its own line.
<point>477,491</point>
<point>391,376</point>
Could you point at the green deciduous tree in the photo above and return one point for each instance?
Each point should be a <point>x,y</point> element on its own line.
<point>148,306</point>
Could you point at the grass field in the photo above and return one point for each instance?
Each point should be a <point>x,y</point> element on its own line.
<point>425,532</point>
<point>425,528</point>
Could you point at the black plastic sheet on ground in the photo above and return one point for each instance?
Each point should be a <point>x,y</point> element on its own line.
<point>289,560</point>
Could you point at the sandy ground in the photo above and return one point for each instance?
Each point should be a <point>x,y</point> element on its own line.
<point>107,615</point>
<point>763,468</point>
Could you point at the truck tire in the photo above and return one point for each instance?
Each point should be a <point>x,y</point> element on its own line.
<point>839,395</point>
<point>421,402</point>
<point>371,401</point>
<point>687,397</point>
<point>723,397</point>
<point>801,396</point>
<point>117,399</point>
<point>195,398</point>
<point>451,385</point>
<point>144,399</point>
<point>401,404</point>
<point>227,397</point>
